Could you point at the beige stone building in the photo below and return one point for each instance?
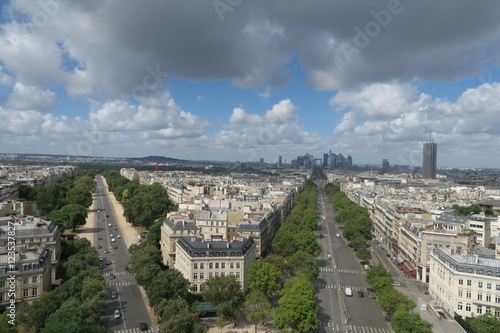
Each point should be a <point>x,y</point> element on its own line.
<point>172,229</point>
<point>198,259</point>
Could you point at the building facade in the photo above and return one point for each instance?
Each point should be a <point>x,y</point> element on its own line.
<point>198,259</point>
<point>429,160</point>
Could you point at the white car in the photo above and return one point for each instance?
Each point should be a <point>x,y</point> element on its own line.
<point>338,235</point>
<point>117,314</point>
<point>109,224</point>
<point>111,236</point>
<point>118,236</point>
<point>113,240</point>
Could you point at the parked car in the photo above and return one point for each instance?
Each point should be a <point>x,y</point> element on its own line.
<point>114,294</point>
<point>118,236</point>
<point>360,293</point>
<point>143,326</point>
<point>101,258</point>
<point>109,224</point>
<point>396,284</point>
<point>117,314</point>
<point>108,262</point>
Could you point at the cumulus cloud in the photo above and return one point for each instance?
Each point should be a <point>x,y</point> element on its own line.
<point>26,97</point>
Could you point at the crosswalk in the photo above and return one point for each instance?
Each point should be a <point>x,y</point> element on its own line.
<point>137,330</point>
<point>122,284</point>
<point>116,273</point>
<point>336,286</point>
<point>343,271</point>
<point>335,327</point>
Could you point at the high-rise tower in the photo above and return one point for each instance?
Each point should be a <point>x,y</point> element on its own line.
<point>430,160</point>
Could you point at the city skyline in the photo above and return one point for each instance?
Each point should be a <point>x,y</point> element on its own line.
<point>248,81</point>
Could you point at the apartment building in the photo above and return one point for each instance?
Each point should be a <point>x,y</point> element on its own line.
<point>172,229</point>
<point>32,271</point>
<point>467,285</point>
<point>199,259</point>
<point>33,231</point>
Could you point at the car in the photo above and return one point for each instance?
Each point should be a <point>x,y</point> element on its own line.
<point>143,326</point>
<point>99,246</point>
<point>113,240</point>
<point>370,290</point>
<point>114,294</point>
<point>360,293</point>
<point>441,314</point>
<point>372,295</point>
<point>101,258</point>
<point>106,251</point>
<point>100,238</point>
<point>396,284</point>
<point>107,215</point>
<point>109,224</point>
<point>110,235</point>
<point>112,276</point>
<point>388,255</point>
<point>115,247</point>
<point>101,266</point>
<point>338,235</point>
<point>118,236</point>
<point>116,228</point>
<point>126,268</point>
<point>108,262</point>
<point>117,314</point>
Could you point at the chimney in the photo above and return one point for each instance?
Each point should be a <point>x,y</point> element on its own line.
<point>227,245</point>
<point>452,251</point>
<point>193,239</point>
<point>208,245</point>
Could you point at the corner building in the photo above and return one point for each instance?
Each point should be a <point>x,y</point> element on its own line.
<point>198,259</point>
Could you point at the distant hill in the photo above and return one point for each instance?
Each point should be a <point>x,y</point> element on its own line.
<point>159,159</point>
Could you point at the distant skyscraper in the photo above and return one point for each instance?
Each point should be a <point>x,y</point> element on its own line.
<point>280,161</point>
<point>385,166</point>
<point>430,160</point>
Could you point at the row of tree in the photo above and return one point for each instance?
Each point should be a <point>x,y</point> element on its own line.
<point>356,221</point>
<point>74,306</point>
<point>142,204</point>
<point>64,202</point>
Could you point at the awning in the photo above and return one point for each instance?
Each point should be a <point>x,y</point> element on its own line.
<point>408,269</point>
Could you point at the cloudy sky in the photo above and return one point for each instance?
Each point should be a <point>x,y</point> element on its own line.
<point>240,79</point>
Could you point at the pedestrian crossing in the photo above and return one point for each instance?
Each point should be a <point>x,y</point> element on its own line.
<point>335,327</point>
<point>122,284</point>
<point>137,330</point>
<point>116,273</point>
<point>336,286</point>
<point>344,271</point>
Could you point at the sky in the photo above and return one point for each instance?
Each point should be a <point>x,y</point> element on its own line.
<point>240,80</point>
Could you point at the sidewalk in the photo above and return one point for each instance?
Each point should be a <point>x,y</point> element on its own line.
<point>88,230</point>
<point>416,290</point>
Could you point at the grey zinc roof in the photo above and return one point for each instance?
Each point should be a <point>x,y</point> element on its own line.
<point>28,228</point>
<point>197,247</point>
<point>187,225</point>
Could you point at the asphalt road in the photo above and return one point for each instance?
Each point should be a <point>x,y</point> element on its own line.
<point>338,312</point>
<point>129,301</point>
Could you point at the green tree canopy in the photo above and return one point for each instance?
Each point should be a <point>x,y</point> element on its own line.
<point>166,285</point>
<point>409,322</point>
<point>221,289</point>
<point>73,215</point>
<point>265,278</point>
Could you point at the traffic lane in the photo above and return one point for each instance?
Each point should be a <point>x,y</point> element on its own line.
<point>134,306</point>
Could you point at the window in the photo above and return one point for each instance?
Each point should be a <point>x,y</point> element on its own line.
<point>202,265</point>
<point>195,288</point>
<point>195,266</point>
<point>488,297</point>
<point>216,274</point>
<point>210,275</point>
<point>35,279</point>
<point>497,299</point>
<point>237,265</point>
<point>237,275</point>
<point>202,276</point>
<point>34,291</point>
<point>460,293</point>
<point>469,294</point>
<point>479,296</point>
<point>460,306</point>
<point>489,273</point>
<point>469,282</point>
<point>195,276</point>
<point>25,280</point>
<point>222,265</point>
<point>210,265</point>
<point>467,307</point>
<point>479,309</point>
<point>460,281</point>
<point>2,284</point>
<point>498,286</point>
<point>231,265</point>
<point>479,284</point>
<point>497,312</point>
<point>488,286</point>
<point>231,273</point>
<point>216,265</point>
<point>488,309</point>
<point>25,292</point>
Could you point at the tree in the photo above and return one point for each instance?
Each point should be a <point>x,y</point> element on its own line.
<point>185,322</point>
<point>80,196</point>
<point>409,322</point>
<point>486,323</point>
<point>297,307</point>
<point>265,278</point>
<point>5,327</point>
<point>166,285</point>
<point>307,242</point>
<point>257,308</point>
<point>168,308</point>
<point>363,254</point>
<point>73,215</point>
<point>221,289</point>
<point>357,241</point>
<point>143,258</point>
<point>303,263</point>
<point>391,299</point>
